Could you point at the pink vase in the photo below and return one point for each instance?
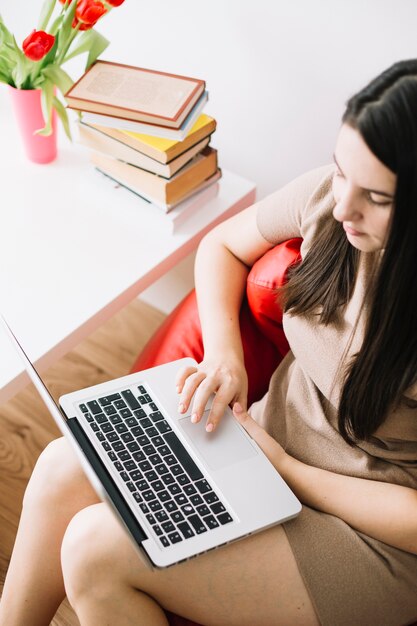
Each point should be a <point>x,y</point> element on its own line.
<point>29,117</point>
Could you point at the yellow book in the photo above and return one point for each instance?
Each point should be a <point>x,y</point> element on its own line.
<point>162,150</point>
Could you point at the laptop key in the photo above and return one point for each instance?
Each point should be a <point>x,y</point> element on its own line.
<point>203,510</point>
<point>175,537</point>
<point>138,497</point>
<point>161,516</point>
<point>180,499</point>
<point>88,417</point>
<point>211,522</point>
<point>156,416</point>
<point>145,466</point>
<point>118,445</point>
<point>177,516</point>
<point>145,422</point>
<point>149,450</point>
<point>157,530</point>
<point>174,489</point>
<point>158,485</point>
<point>137,431</point>
<point>130,399</point>
<point>94,407</point>
<point>198,525</point>
<point>124,454</point>
<point>100,436</point>
<point>190,490</point>
<point>151,475</point>
<point>140,413</point>
<point>168,527</point>
<point>186,530</point>
<point>83,408</point>
<point>131,422</point>
<point>133,446</point>
<point>217,508</point>
<point>143,440</point>
<point>152,432</point>
<point>142,389</point>
<point>158,441</point>
<point>121,428</point>
<point>118,466</point>
<point>170,506</point>
<point>125,476</point>
<point>210,497</point>
<point>115,419</point>
<point>110,410</point>
<point>163,427</point>
<point>106,427</point>
<point>131,486</point>
<point>203,486</point>
<point>136,475</point>
<point>151,518</point>
<point>167,479</point>
<point>130,465</point>
<point>164,450</point>
<point>138,456</point>
<point>196,500</point>
<point>164,496</point>
<point>112,455</point>
<point>94,427</point>
<point>156,506</point>
<point>113,436</point>
<point>101,418</point>
<point>127,437</point>
<point>164,541</point>
<point>120,404</point>
<point>183,479</point>
<point>224,518</point>
<point>148,495</point>
<point>147,397</point>
<point>144,508</point>
<point>107,399</point>
<point>142,485</point>
<point>155,459</point>
<point>126,413</point>
<point>188,509</point>
<point>153,406</point>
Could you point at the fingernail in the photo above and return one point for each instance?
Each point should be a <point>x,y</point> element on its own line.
<point>178,388</point>
<point>194,418</point>
<point>181,407</point>
<point>209,428</point>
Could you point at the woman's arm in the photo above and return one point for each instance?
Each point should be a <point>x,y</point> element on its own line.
<point>223,261</point>
<point>381,510</point>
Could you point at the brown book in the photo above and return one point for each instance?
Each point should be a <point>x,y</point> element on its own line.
<point>165,193</point>
<point>94,140</point>
<point>136,94</point>
<point>162,150</point>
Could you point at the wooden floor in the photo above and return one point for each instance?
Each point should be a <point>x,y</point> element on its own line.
<point>26,426</point>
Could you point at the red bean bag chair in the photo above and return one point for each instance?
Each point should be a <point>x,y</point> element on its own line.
<point>261,327</point>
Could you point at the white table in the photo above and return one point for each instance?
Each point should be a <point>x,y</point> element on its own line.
<point>74,249</point>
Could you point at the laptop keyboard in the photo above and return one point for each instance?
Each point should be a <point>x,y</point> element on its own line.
<point>165,482</point>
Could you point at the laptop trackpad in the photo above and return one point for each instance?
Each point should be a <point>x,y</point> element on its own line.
<point>226,446</point>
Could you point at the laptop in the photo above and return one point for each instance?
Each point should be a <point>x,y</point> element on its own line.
<point>178,490</point>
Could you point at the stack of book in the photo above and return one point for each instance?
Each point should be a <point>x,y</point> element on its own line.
<point>146,131</point>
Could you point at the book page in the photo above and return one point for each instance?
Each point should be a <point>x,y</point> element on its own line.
<point>133,88</point>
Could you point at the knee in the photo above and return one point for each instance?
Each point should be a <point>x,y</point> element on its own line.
<point>88,555</point>
<point>56,473</point>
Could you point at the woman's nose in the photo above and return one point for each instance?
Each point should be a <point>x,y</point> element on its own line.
<point>347,209</point>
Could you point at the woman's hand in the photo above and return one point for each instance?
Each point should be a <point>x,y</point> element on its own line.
<point>226,377</point>
<point>271,448</point>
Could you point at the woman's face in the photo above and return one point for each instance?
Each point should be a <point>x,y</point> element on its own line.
<point>363,188</point>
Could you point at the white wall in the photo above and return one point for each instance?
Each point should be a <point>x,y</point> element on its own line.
<point>278,71</point>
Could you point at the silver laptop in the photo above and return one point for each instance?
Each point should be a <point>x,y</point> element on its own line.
<point>178,490</point>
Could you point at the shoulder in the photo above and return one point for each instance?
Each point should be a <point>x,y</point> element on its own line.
<point>283,214</point>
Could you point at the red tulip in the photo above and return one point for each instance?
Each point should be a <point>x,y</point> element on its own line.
<point>37,45</point>
<point>88,12</point>
<point>115,3</point>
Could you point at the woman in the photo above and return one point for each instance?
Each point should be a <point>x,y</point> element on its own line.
<point>339,421</point>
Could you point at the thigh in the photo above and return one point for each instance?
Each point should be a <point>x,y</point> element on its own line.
<point>251,581</point>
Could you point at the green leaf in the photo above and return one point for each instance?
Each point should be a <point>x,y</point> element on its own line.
<point>67,20</point>
<point>88,41</point>
<point>98,45</point>
<point>46,12</point>
<point>47,96</point>
<point>63,116</point>
<point>58,77</point>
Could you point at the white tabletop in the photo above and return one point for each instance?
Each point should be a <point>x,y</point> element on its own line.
<point>74,248</point>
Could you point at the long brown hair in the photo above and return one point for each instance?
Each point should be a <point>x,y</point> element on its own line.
<point>385,114</point>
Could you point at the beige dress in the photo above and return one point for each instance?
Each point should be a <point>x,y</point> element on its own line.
<point>353,580</point>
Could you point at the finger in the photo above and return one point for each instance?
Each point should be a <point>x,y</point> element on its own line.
<point>182,376</point>
<point>252,428</point>
<point>218,408</point>
<point>206,389</point>
<point>191,384</point>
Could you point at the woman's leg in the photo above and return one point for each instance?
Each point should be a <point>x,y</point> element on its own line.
<point>251,582</point>
<point>57,490</point>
